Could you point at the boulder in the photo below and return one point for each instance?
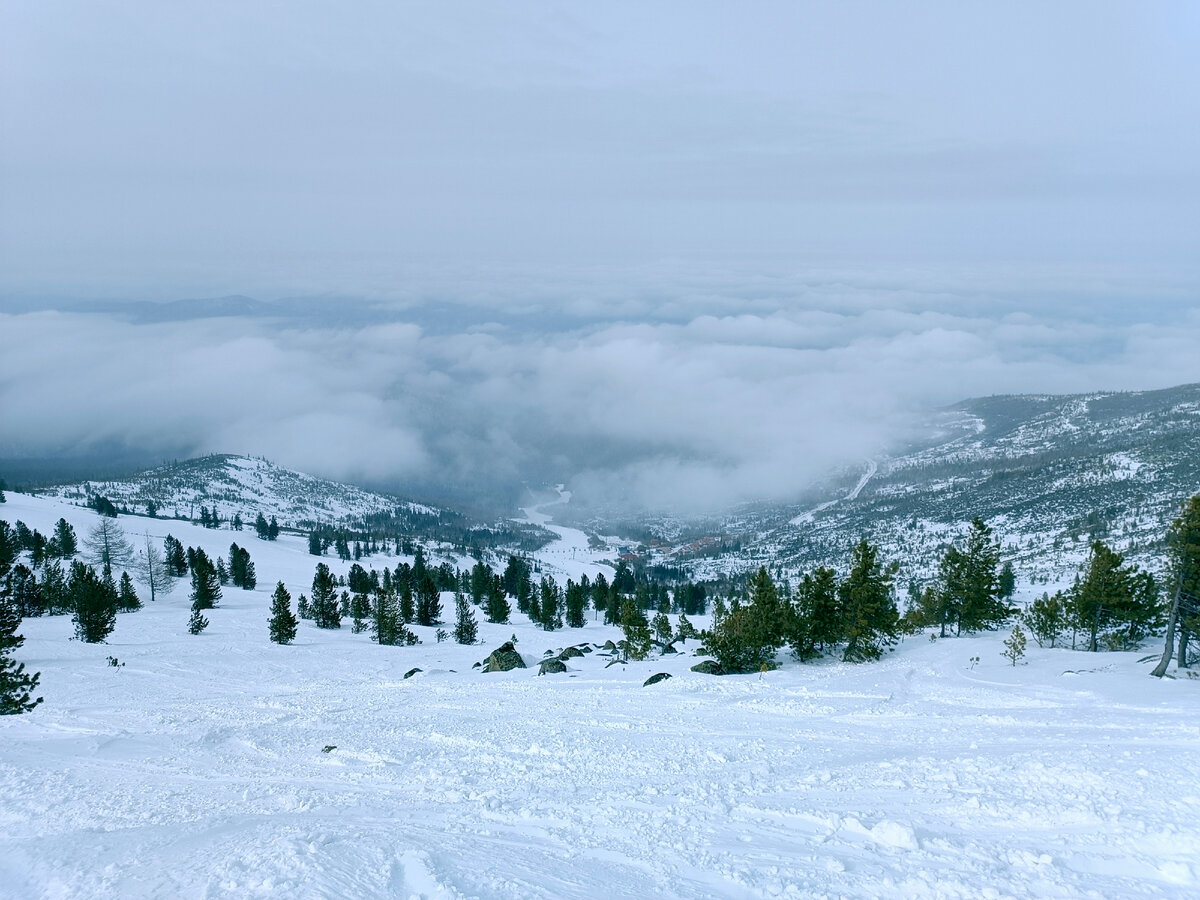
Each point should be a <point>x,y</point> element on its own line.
<point>552,666</point>
<point>708,667</point>
<point>570,653</point>
<point>503,658</point>
<point>668,649</point>
<point>411,672</point>
<point>609,645</point>
<point>655,679</point>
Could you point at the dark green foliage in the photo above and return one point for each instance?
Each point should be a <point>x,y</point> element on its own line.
<point>1046,619</point>
<point>237,522</point>
<point>9,546</point>
<point>302,608</point>
<point>969,590</point>
<point>360,612</point>
<point>176,558</point>
<point>127,598</point>
<point>282,625</point>
<point>429,603</point>
<point>661,626</point>
<point>260,526</point>
<point>549,606</point>
<point>16,686</point>
<point>685,630</point>
<point>103,506</point>
<point>819,621</point>
<point>498,607</point>
<point>197,622</point>
<point>25,592</point>
<point>94,604</point>
<point>324,604</point>
<point>206,584</point>
<point>315,545</point>
<point>1114,603</point>
<point>272,529</point>
<point>1014,645</point>
<point>466,628</point>
<point>222,572</point>
<point>56,595</point>
<point>241,569</point>
<point>637,642</point>
<point>576,599</point>
<point>871,620</point>
<point>745,640</point>
<point>63,543</point>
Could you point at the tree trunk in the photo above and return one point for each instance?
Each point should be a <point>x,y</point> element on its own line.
<point>1169,649</point>
<point>1181,660</point>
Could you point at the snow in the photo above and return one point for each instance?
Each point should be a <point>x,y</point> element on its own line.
<point>196,768</point>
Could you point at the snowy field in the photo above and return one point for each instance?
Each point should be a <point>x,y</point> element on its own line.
<point>196,769</point>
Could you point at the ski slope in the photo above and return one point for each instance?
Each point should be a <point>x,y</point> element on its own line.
<point>196,768</point>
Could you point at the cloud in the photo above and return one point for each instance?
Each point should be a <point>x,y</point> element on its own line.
<point>744,400</point>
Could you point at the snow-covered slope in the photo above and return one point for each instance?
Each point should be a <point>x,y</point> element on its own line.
<point>242,485</point>
<point>197,767</point>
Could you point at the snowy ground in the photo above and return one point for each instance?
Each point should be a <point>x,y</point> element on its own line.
<point>196,768</point>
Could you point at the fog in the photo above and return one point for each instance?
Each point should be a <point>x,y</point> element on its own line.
<point>678,256</point>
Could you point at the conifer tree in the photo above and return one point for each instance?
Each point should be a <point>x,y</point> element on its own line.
<point>1183,542</point>
<point>302,609</point>
<point>1114,602</point>
<point>685,630</point>
<point>206,585</point>
<point>360,611</point>
<point>466,628</point>
<point>969,582</point>
<point>549,604</point>
<point>429,604</point>
<point>63,541</point>
<point>56,597</point>
<point>315,547</point>
<point>127,598</point>
<point>222,572</point>
<point>819,621</point>
<point>636,644</point>
<point>746,639</point>
<point>197,622</point>
<point>94,605</point>
<point>260,526</point>
<point>498,607</point>
<point>871,620</point>
<point>324,604</point>
<point>16,686</point>
<point>1014,645</point>
<point>272,529</point>
<point>282,625</point>
<point>576,604</point>
<point>661,626</point>
<point>176,558</point>
<point>1046,618</point>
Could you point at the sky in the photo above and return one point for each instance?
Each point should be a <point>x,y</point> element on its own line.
<point>680,254</point>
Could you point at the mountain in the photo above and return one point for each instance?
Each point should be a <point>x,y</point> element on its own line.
<point>1048,473</point>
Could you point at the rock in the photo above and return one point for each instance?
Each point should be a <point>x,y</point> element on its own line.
<point>708,667</point>
<point>552,666</point>
<point>584,648</point>
<point>411,672</point>
<point>614,662</point>
<point>503,658</point>
<point>476,665</point>
<point>609,645</point>
<point>570,653</point>
<point>655,679</point>
<point>669,648</point>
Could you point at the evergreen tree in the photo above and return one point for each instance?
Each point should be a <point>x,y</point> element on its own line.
<point>1183,542</point>
<point>63,541</point>
<point>429,604</point>
<point>315,547</point>
<point>498,608</point>
<point>360,611</point>
<point>260,526</point>
<point>24,591</point>
<point>176,558</point>
<point>237,521</point>
<point>661,626</point>
<point>407,601</point>
<point>206,585</point>
<point>197,622</point>
<point>969,579</point>
<point>1046,619</point>
<point>9,546</point>
<point>1113,601</point>
<point>636,644</point>
<point>1014,645</point>
<point>324,603</point>
<point>685,630</point>
<point>549,604</point>
<point>127,598</point>
<point>16,686</point>
<point>302,609</point>
<point>871,620</point>
<point>222,572</point>
<point>820,620</point>
<point>576,604</point>
<point>600,593</point>
<point>94,605</point>
<point>746,639</point>
<point>466,629</point>
<point>272,529</point>
<point>241,569</point>
<point>518,582</point>
<point>282,624</point>
<point>56,597</point>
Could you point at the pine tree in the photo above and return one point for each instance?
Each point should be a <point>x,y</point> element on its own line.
<point>636,644</point>
<point>260,526</point>
<point>272,529</point>
<point>197,622</point>
<point>820,620</point>
<point>429,604</point>
<point>93,603</point>
<point>1183,542</point>
<point>549,604</point>
<point>871,620</point>
<point>1113,601</point>
<point>206,585</point>
<point>969,582</point>
<point>63,541</point>
<point>685,630</point>
<point>56,596</point>
<point>302,609</point>
<point>282,624</point>
<point>466,629</point>
<point>16,686</point>
<point>746,639</point>
<point>176,558</point>
<point>127,598</point>
<point>1046,619</point>
<point>1014,645</point>
<point>324,603</point>
<point>661,626</point>
<point>222,572</point>
<point>360,611</point>
<point>498,608</point>
<point>315,546</point>
<point>576,604</point>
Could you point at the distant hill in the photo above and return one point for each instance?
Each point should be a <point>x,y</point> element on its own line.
<point>1049,473</point>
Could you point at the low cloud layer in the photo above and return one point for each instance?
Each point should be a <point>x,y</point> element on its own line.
<point>753,396</point>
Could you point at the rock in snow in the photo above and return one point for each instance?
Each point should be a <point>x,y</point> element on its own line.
<point>503,658</point>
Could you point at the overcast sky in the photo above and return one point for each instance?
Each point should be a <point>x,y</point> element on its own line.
<point>680,250</point>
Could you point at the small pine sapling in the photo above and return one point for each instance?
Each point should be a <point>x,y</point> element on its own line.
<point>1014,646</point>
<point>197,623</point>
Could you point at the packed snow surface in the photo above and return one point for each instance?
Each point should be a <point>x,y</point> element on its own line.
<point>221,765</point>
